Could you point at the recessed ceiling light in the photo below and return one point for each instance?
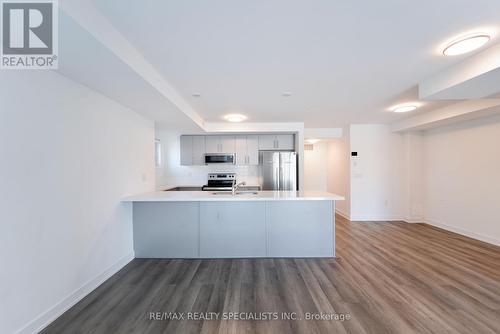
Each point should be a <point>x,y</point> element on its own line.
<point>286,94</point>
<point>404,108</point>
<point>466,44</point>
<point>235,118</point>
<point>312,141</point>
<point>196,95</point>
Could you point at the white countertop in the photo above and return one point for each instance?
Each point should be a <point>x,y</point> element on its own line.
<point>202,196</point>
<point>172,186</point>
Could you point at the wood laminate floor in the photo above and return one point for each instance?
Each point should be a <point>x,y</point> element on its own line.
<point>389,278</point>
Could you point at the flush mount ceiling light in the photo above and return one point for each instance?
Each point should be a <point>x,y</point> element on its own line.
<point>235,118</point>
<point>466,44</point>
<point>312,141</point>
<point>196,95</point>
<point>286,94</point>
<point>404,108</point>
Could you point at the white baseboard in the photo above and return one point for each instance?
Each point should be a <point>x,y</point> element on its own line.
<point>376,218</point>
<point>464,232</point>
<point>44,319</point>
<point>419,219</point>
<point>414,220</point>
<point>381,218</point>
<point>343,214</point>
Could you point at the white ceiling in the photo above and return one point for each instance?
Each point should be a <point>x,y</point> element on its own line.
<point>344,61</point>
<point>90,63</point>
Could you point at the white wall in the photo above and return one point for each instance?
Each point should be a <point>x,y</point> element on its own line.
<point>171,173</point>
<point>413,162</point>
<point>339,171</point>
<point>448,176</point>
<point>68,155</point>
<point>377,173</point>
<point>462,178</point>
<point>315,168</point>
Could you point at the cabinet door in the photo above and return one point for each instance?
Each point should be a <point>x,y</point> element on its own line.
<point>301,228</point>
<point>285,142</point>
<point>227,144</point>
<point>212,144</point>
<point>186,148</point>
<point>241,150</point>
<point>232,229</point>
<point>252,150</point>
<point>267,142</point>
<point>166,230</point>
<point>198,150</point>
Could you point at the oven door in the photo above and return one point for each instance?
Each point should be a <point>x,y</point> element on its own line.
<point>227,159</point>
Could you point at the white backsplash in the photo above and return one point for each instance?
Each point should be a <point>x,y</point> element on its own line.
<point>197,175</point>
<point>172,173</point>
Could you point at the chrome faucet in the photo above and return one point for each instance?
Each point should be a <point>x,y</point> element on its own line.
<point>235,187</point>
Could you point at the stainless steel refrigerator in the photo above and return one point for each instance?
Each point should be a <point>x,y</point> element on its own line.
<point>279,170</point>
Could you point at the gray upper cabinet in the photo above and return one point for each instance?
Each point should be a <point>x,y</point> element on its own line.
<point>213,144</point>
<point>253,150</point>
<point>267,142</point>
<point>247,150</point>
<point>199,150</point>
<point>276,142</point>
<point>192,150</point>
<point>186,150</point>
<point>246,147</point>
<point>220,144</point>
<point>227,144</point>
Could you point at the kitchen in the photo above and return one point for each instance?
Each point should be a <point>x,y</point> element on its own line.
<point>233,166</point>
<point>231,216</point>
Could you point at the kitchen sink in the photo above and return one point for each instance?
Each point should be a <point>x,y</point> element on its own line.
<point>228,193</point>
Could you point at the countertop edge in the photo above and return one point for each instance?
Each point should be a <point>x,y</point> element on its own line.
<point>195,196</point>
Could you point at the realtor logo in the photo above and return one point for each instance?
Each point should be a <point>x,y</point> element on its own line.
<point>29,34</point>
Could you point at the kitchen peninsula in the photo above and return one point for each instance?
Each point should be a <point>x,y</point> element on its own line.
<point>197,224</point>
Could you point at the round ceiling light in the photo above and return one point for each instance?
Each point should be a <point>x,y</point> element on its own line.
<point>235,118</point>
<point>466,44</point>
<point>312,141</point>
<point>404,108</point>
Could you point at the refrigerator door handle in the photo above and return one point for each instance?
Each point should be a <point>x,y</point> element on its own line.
<point>282,181</point>
<point>276,178</point>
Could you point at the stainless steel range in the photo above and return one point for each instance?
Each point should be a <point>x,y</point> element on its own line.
<point>220,182</point>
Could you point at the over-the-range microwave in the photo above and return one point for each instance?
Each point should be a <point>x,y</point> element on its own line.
<point>220,158</point>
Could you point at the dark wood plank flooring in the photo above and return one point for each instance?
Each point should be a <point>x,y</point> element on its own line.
<point>389,278</point>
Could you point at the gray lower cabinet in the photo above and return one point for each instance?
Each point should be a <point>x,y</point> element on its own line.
<point>300,229</point>
<point>166,229</point>
<point>232,229</point>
